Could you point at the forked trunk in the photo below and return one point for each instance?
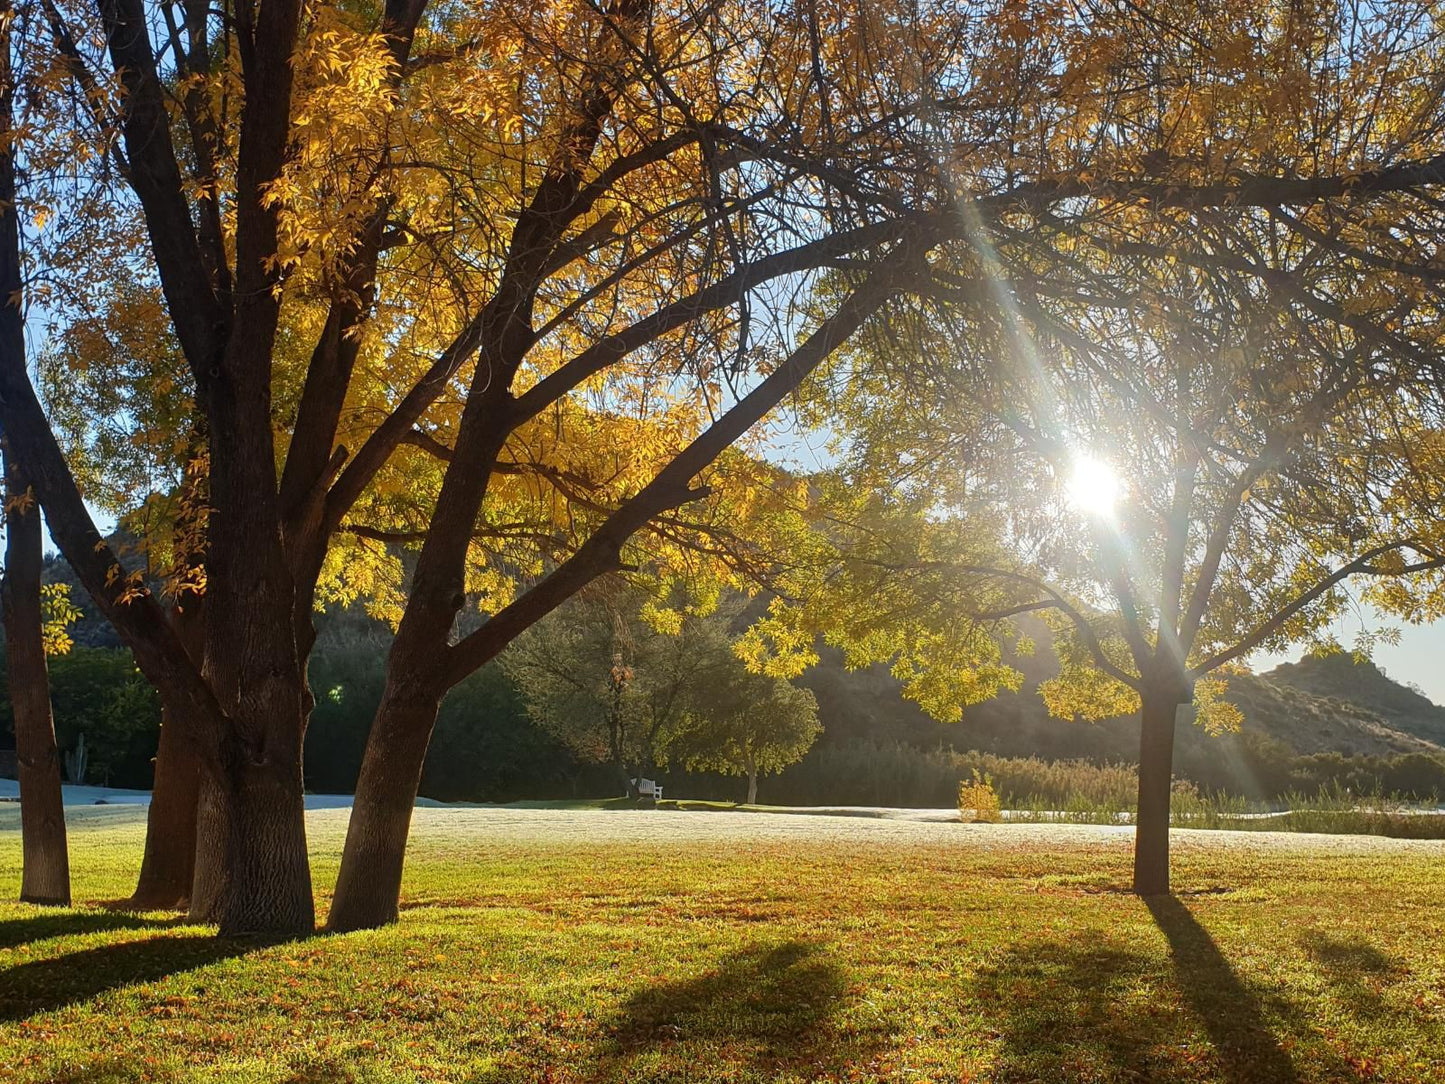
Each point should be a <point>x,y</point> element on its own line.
<point>369,886</point>
<point>45,870</point>
<point>1159,704</point>
<point>169,861</point>
<point>252,875</point>
<point>251,817</point>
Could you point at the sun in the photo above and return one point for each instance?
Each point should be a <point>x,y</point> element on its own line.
<point>1093,488</point>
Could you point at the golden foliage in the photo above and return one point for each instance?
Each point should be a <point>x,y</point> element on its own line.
<point>978,801</point>
<point>57,614</point>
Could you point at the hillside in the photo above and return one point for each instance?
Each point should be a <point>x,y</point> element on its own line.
<point>1407,715</point>
<point>1319,705</point>
<point>1309,720</point>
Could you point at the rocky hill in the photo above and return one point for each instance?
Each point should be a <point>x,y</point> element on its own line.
<point>1362,699</point>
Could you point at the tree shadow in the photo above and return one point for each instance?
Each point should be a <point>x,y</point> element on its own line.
<point>1356,970</point>
<point>42,927</point>
<point>1074,1012</point>
<point>1068,1013</point>
<point>766,1009</point>
<point>1230,1013</point>
<point>41,985</point>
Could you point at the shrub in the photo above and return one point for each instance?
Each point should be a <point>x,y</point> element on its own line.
<point>977,800</point>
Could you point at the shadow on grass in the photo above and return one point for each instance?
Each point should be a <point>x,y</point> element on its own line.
<point>1225,1006</point>
<point>1069,1013</point>
<point>767,1009</point>
<point>63,923</point>
<point>1355,969</point>
<point>42,985</point>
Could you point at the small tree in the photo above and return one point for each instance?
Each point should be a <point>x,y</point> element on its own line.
<point>607,685</point>
<point>621,681</point>
<point>743,723</point>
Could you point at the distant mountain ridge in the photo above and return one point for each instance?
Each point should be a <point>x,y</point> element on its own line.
<point>1328,704</point>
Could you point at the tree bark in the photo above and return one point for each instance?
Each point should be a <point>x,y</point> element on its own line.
<point>208,861</point>
<point>752,786</point>
<point>266,887</point>
<point>368,889</point>
<point>169,862</point>
<point>45,869</point>
<point>1159,702</point>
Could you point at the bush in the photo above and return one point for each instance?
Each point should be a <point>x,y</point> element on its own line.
<point>897,774</point>
<point>978,801</point>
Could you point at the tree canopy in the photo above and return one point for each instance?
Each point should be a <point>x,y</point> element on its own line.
<point>516,287</point>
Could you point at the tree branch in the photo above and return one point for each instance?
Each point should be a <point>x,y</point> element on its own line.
<point>671,486</point>
<point>1362,565</point>
<point>198,316</point>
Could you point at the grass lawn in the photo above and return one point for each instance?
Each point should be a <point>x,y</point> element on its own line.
<point>881,952</point>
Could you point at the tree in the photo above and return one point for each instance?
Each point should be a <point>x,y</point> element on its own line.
<point>503,283</point>
<point>746,724</point>
<point>1176,444</point>
<point>120,402</point>
<point>604,679</point>
<point>45,870</point>
<point>224,277</point>
<point>1239,371</point>
<point>612,688</point>
<point>45,866</point>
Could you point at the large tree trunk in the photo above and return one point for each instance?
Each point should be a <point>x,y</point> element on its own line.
<point>168,864</point>
<point>252,815</point>
<point>1159,704</point>
<point>752,786</point>
<point>45,870</point>
<point>369,886</point>
<point>256,810</point>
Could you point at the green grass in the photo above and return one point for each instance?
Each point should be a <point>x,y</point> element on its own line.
<point>557,962</point>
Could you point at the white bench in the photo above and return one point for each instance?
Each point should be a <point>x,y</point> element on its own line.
<point>648,788</point>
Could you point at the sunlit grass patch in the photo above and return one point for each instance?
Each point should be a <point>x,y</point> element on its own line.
<point>820,957</point>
